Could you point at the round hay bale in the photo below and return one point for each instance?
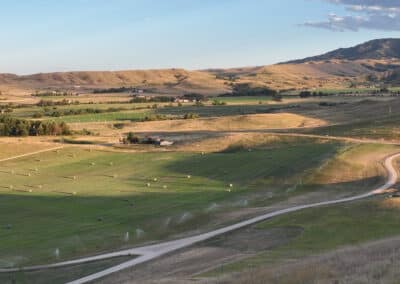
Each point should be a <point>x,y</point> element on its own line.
<point>155,179</point>
<point>148,184</point>
<point>164,186</point>
<point>189,176</point>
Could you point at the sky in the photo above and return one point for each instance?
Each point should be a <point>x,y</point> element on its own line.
<point>70,35</point>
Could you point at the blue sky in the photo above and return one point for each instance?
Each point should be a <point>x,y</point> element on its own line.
<point>65,35</point>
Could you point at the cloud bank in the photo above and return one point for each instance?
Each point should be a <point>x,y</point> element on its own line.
<point>363,14</point>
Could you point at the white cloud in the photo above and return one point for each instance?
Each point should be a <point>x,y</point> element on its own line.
<point>365,14</point>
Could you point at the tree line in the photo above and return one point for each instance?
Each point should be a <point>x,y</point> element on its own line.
<point>20,127</point>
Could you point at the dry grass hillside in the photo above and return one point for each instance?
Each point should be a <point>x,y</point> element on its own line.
<point>342,68</point>
<point>231,123</point>
<point>177,80</point>
<point>328,74</point>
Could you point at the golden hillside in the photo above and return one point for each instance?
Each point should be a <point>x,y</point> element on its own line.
<point>342,68</point>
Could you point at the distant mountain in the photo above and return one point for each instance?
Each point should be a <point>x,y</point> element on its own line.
<point>370,64</point>
<point>379,49</point>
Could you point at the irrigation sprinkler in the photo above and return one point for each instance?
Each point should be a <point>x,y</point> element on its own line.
<point>139,233</point>
<point>57,253</point>
<point>126,237</point>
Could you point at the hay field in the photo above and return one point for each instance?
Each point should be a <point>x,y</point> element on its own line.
<point>83,202</point>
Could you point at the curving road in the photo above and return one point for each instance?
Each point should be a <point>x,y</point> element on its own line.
<point>147,253</point>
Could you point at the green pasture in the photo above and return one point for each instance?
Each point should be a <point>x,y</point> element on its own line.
<point>324,229</point>
<point>84,202</point>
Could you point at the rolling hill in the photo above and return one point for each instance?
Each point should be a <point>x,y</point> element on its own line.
<point>364,65</point>
<point>379,49</point>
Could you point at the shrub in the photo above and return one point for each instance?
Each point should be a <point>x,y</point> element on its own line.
<point>194,97</point>
<point>131,138</point>
<point>38,115</point>
<point>277,98</point>
<point>218,103</point>
<point>190,116</point>
<point>118,125</point>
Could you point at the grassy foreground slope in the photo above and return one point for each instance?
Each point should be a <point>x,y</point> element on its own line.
<point>80,202</point>
<point>327,229</point>
<point>334,246</point>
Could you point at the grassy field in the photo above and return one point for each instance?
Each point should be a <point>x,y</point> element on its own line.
<point>137,115</point>
<point>231,123</point>
<point>82,202</point>
<point>8,149</point>
<point>386,127</point>
<point>244,100</point>
<point>213,111</point>
<point>323,230</point>
<point>354,169</point>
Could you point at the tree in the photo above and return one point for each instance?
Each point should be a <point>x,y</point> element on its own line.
<point>305,94</point>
